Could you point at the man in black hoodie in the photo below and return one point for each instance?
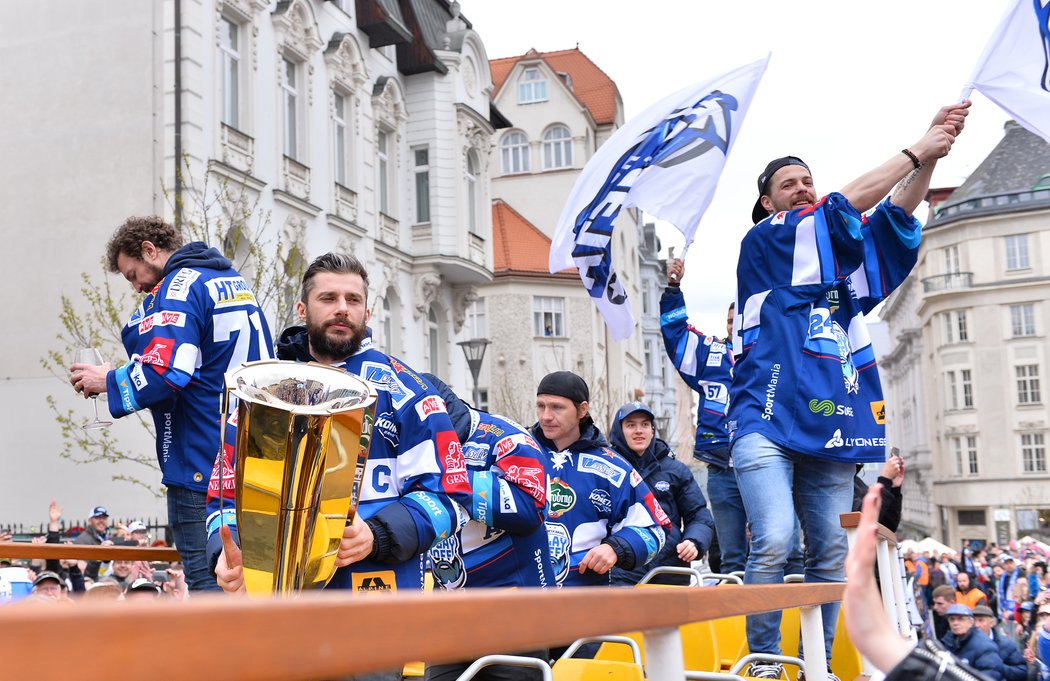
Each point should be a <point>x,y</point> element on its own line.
<point>633,437</point>
<point>198,320</point>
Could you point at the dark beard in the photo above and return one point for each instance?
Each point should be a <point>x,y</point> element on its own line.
<point>321,344</point>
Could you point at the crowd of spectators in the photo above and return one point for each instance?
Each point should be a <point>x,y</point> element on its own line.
<point>988,606</point>
<point>66,581</point>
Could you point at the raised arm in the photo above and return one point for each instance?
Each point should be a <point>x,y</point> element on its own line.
<point>868,189</point>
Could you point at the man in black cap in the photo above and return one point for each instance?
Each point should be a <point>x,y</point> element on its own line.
<point>805,396</point>
<point>48,585</point>
<point>1014,666</point>
<point>94,535</point>
<point>600,511</point>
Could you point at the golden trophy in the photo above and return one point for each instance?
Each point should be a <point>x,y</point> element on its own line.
<point>303,432</point>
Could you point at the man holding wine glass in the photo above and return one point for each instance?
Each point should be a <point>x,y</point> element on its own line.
<point>199,319</point>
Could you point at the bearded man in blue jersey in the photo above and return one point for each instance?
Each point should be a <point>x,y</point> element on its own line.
<point>415,486</point>
<point>806,396</point>
<point>198,320</point>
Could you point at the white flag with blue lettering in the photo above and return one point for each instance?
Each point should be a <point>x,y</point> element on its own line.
<point>666,161</point>
<point>1014,71</point>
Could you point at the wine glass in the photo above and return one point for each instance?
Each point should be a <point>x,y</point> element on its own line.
<point>92,356</point>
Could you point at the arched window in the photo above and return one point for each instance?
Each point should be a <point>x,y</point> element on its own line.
<point>514,152</point>
<point>472,191</point>
<point>557,147</point>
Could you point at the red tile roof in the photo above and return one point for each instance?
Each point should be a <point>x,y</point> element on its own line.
<point>590,85</point>
<point>518,246</point>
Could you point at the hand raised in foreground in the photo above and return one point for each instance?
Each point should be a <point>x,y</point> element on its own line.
<point>229,570</point>
<point>866,621</point>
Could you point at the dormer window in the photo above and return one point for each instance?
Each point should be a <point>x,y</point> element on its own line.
<point>532,88</point>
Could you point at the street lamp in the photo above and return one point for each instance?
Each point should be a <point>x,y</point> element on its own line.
<point>662,423</point>
<point>474,351</point>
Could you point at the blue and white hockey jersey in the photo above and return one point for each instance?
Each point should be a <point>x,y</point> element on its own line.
<point>805,374</point>
<point>594,495</point>
<point>199,322</point>
<point>415,483</point>
<point>706,365</point>
<point>505,541</point>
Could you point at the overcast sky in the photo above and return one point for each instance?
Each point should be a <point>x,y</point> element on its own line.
<point>849,84</point>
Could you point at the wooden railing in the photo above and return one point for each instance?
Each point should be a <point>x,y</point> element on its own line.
<point>86,552</point>
<point>336,633</point>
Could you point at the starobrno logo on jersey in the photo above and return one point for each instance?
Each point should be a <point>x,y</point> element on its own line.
<point>562,498</point>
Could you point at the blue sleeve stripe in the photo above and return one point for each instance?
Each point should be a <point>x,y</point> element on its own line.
<point>438,514</point>
<point>853,224</point>
<point>126,389</point>
<point>749,336</point>
<point>652,546</point>
<point>863,356</point>
<point>908,230</point>
<point>873,269</point>
<point>481,499</point>
<point>673,316</point>
<point>227,516</point>
<point>825,249</point>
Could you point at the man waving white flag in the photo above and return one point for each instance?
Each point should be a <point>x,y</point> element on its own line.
<point>666,161</point>
<point>1014,71</point>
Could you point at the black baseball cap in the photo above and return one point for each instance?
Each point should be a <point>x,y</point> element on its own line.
<point>758,213</point>
<point>45,576</point>
<point>565,384</point>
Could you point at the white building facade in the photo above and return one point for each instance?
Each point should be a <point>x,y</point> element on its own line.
<point>967,391</point>
<point>357,126</point>
<point>560,107</point>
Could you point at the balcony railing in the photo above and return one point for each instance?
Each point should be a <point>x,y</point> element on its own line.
<point>948,282</point>
<point>995,203</point>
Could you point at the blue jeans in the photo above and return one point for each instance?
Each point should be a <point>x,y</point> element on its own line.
<point>723,498</point>
<point>773,479</point>
<point>186,515</point>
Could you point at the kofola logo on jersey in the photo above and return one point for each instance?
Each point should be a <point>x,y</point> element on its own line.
<point>561,498</point>
<point>388,428</point>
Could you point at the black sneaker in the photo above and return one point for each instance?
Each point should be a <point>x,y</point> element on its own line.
<point>802,675</point>
<point>765,670</point>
